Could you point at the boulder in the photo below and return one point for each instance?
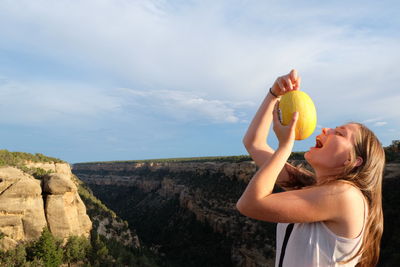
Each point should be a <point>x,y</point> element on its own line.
<point>26,208</point>
<point>65,211</point>
<point>22,216</point>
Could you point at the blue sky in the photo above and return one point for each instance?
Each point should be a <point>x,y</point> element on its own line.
<point>100,80</point>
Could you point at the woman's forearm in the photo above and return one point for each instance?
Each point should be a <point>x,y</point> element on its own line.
<point>262,183</point>
<point>258,130</point>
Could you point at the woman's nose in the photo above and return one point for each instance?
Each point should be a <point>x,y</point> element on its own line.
<point>325,130</point>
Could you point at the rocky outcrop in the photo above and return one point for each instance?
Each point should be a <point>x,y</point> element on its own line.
<point>65,211</point>
<point>60,168</point>
<point>27,205</point>
<point>22,215</point>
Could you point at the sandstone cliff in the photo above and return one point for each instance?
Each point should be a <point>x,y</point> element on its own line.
<point>28,204</point>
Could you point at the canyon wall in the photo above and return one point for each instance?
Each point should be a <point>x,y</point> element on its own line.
<point>208,190</point>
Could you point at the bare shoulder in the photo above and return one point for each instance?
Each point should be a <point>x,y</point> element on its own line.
<point>349,219</point>
<point>341,189</point>
<point>345,194</point>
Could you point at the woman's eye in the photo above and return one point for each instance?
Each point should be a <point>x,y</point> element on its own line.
<point>337,133</point>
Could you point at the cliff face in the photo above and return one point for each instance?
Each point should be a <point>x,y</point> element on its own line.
<point>208,190</point>
<point>159,199</point>
<point>241,171</point>
<point>28,204</point>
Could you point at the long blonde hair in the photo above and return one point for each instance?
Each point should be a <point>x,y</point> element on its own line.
<point>368,178</point>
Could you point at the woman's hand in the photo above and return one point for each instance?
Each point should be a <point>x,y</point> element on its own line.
<point>286,83</point>
<point>285,134</point>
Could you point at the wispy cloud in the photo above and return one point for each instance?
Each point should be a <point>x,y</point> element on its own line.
<point>185,106</point>
<point>380,123</point>
<point>43,102</point>
<point>371,120</point>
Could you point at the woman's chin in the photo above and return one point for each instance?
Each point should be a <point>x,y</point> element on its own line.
<point>308,157</point>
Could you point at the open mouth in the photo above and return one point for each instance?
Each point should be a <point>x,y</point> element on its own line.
<point>318,143</point>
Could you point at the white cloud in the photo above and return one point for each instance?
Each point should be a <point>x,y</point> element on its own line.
<point>46,103</point>
<point>371,120</point>
<point>185,106</point>
<point>380,123</point>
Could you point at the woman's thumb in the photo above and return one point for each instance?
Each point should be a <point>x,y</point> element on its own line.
<point>295,119</point>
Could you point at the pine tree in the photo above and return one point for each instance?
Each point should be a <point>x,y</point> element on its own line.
<point>46,249</point>
<point>75,249</point>
<point>99,251</point>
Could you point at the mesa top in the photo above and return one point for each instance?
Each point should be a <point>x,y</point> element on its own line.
<point>314,244</point>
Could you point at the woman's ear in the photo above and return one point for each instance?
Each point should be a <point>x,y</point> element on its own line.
<point>359,161</point>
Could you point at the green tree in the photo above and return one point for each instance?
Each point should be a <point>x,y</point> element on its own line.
<point>75,250</point>
<point>34,263</point>
<point>99,252</point>
<point>47,249</point>
<point>14,257</point>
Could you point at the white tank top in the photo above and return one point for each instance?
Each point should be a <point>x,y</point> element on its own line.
<point>315,245</point>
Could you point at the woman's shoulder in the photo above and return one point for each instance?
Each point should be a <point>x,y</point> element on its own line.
<point>346,195</point>
<point>352,209</point>
<point>341,187</point>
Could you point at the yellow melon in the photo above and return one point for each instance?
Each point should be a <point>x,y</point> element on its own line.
<point>301,102</point>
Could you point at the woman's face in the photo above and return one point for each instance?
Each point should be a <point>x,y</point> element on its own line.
<point>333,148</point>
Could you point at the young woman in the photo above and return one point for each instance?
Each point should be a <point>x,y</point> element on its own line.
<point>329,217</point>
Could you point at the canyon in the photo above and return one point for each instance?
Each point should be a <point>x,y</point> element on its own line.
<point>183,208</point>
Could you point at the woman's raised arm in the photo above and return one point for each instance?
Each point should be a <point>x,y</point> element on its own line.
<point>255,139</point>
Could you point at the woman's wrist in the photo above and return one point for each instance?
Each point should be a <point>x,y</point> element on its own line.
<point>285,148</point>
<point>272,93</point>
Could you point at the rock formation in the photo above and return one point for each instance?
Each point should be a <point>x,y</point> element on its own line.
<point>65,211</point>
<point>22,215</point>
<point>28,204</point>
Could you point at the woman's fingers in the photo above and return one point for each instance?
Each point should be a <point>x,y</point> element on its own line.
<point>295,79</point>
<point>276,113</point>
<point>280,84</point>
<point>288,83</point>
<point>294,120</point>
<point>285,84</point>
<point>293,124</point>
<point>297,84</point>
<point>293,75</point>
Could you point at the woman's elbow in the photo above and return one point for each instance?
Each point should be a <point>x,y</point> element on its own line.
<point>252,209</point>
<point>241,207</point>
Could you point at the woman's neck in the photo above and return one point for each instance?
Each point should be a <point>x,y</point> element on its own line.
<point>322,174</point>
